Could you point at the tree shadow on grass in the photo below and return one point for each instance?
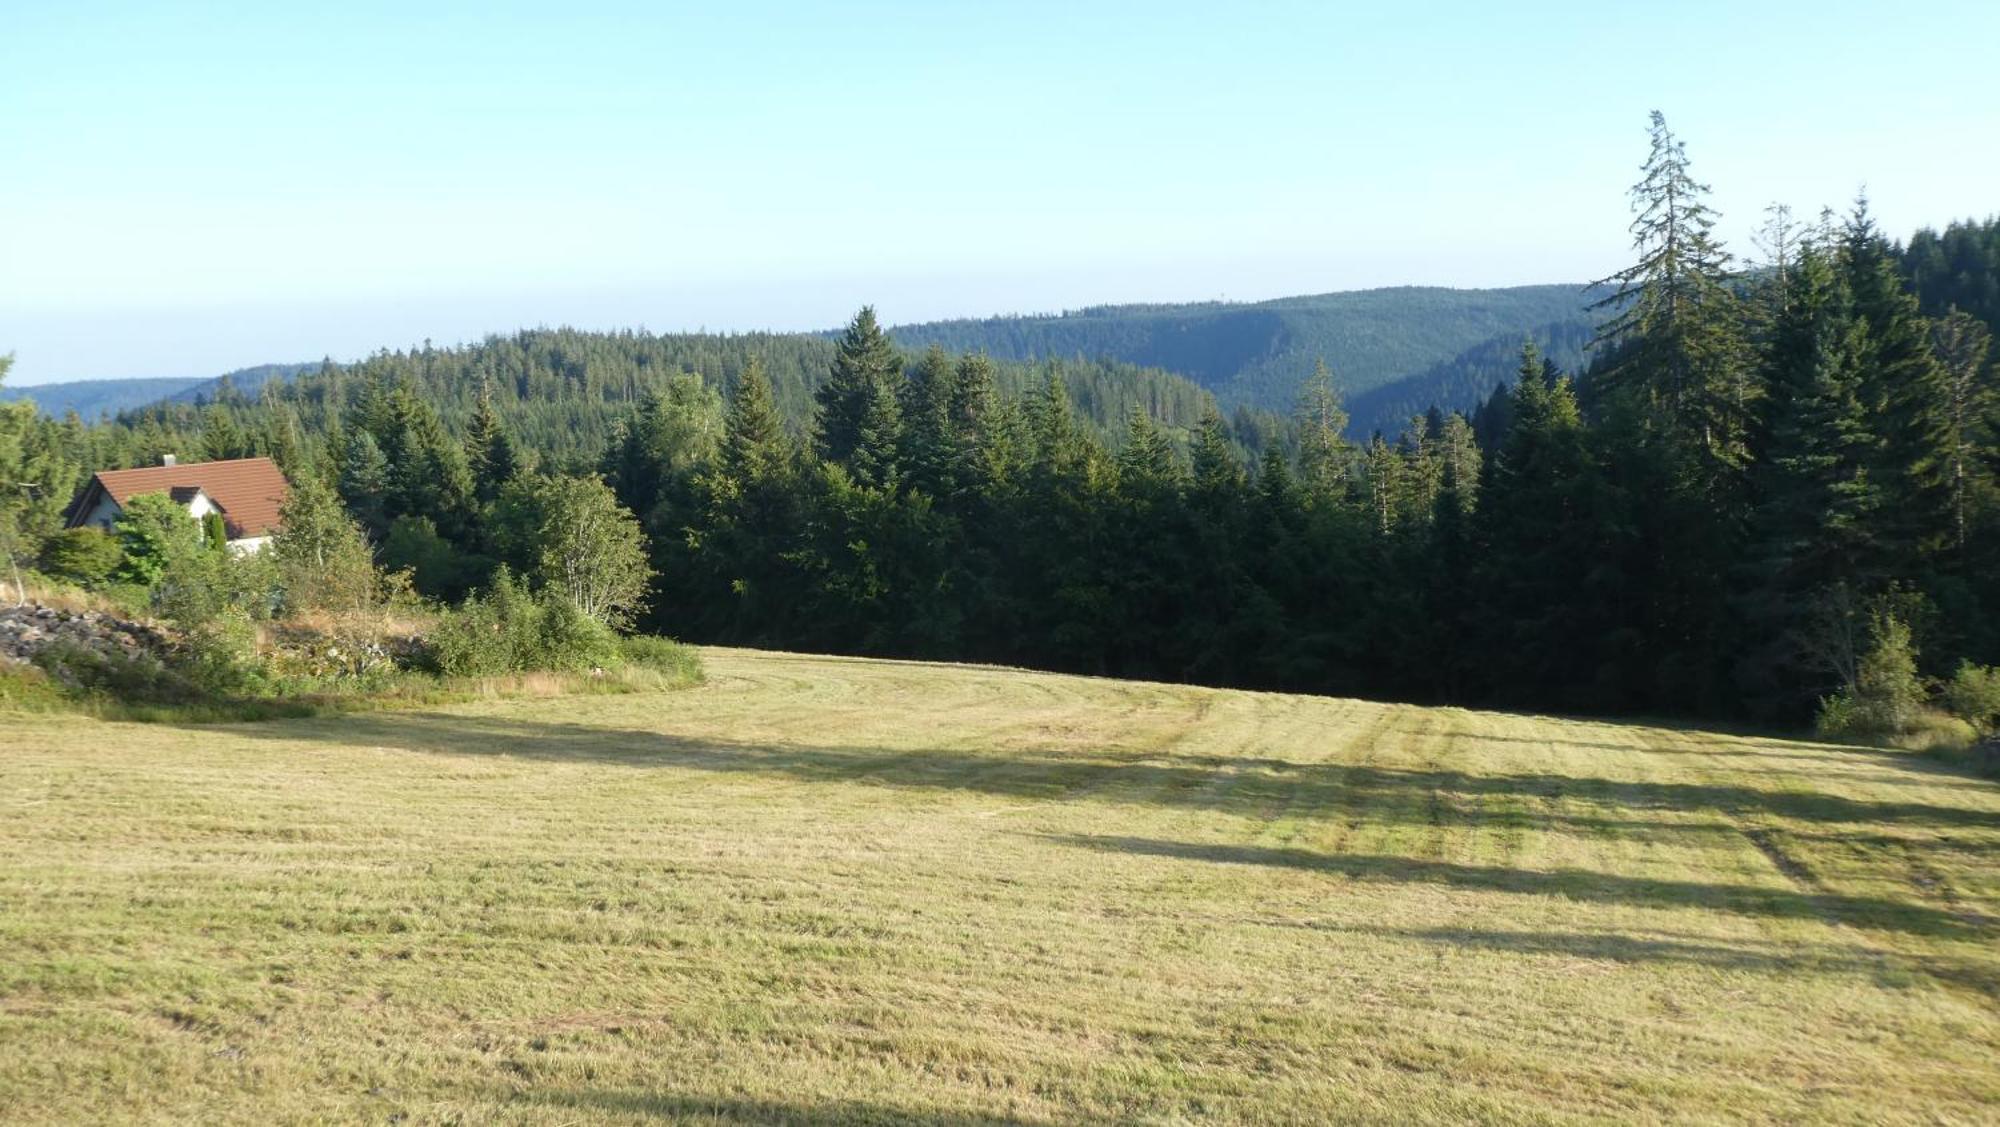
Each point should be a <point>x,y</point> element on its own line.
<point>1791,958</point>
<point>1122,775</point>
<point>732,1109</point>
<point>1580,885</point>
<point>1354,794</point>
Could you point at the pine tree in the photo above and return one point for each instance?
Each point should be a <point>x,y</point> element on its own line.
<point>1542,540</point>
<point>1383,470</point>
<point>221,438</point>
<point>1674,345</point>
<point>1148,468</point>
<point>1905,389</point>
<point>1217,484</point>
<point>489,450</point>
<point>1816,517</point>
<point>1057,445</point>
<point>930,451</point>
<point>364,481</point>
<point>864,372</point>
<point>753,441</point>
<point>1325,458</point>
<point>1459,458</point>
<point>877,458</point>
<point>1972,405</point>
<point>978,429</point>
<point>427,472</point>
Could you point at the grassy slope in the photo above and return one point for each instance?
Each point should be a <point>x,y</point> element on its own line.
<point>821,888</point>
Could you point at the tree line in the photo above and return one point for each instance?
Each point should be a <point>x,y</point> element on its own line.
<point>1768,493</point>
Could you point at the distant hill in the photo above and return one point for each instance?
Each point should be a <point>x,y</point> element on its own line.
<point>1258,354</point>
<point>1462,382</point>
<point>1394,352</point>
<point>93,399</point>
<point>565,392</point>
<point>245,380</point>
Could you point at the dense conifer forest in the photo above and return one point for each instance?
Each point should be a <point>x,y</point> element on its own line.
<point>1740,487</point>
<point>1257,355</point>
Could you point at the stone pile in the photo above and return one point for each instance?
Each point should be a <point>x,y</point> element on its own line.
<point>27,630</point>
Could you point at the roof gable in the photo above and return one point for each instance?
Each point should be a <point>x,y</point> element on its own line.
<point>249,491</point>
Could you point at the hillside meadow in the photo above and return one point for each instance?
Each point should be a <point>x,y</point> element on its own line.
<point>837,890</point>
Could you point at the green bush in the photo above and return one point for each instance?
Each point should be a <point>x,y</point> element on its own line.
<point>678,662</point>
<point>87,556</point>
<point>1887,697</point>
<point>1973,695</point>
<point>155,532</point>
<point>140,676</point>
<point>509,629</point>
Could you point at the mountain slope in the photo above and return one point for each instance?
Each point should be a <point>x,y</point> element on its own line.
<point>1464,381</point>
<point>1258,354</point>
<point>93,399</point>
<point>248,381</point>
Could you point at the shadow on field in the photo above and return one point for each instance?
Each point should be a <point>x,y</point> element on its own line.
<point>1584,886</point>
<point>1930,772</point>
<point>1247,785</point>
<point>729,1109</point>
<point>1612,947</point>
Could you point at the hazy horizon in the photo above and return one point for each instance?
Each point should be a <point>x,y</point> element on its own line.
<point>175,321</point>
<point>192,192</point>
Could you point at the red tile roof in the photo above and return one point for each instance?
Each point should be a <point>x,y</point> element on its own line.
<point>250,490</point>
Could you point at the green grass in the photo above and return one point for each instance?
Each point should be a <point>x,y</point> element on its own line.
<point>819,889</point>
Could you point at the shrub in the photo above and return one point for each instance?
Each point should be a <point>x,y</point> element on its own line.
<point>139,676</point>
<point>1887,695</point>
<point>509,629</point>
<point>679,663</point>
<point>568,640</point>
<point>82,555</point>
<point>154,532</point>
<point>321,555</point>
<point>1973,695</point>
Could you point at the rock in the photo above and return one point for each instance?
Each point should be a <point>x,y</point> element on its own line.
<point>27,630</point>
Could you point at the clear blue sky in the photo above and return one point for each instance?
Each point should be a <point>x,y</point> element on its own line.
<point>190,188</point>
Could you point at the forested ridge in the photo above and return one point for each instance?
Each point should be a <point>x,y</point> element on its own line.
<point>564,392</point>
<point>1259,354</point>
<point>93,399</point>
<point>1768,493</point>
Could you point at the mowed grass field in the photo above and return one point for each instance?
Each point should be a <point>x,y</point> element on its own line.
<point>818,889</point>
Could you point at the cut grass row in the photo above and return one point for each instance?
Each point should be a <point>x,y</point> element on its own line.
<point>821,889</point>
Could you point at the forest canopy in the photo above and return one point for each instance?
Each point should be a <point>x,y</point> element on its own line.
<point>1758,487</point>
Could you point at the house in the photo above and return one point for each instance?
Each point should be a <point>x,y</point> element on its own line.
<point>247,492</point>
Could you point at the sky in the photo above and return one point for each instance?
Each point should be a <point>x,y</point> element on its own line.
<point>187,189</point>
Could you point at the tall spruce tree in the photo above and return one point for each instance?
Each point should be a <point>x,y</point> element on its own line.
<point>1817,506</point>
<point>753,440</point>
<point>851,401</point>
<point>1972,407</point>
<point>1326,459</point>
<point>364,481</point>
<point>489,450</point>
<point>930,441</point>
<point>1905,389</point>
<point>1537,522</point>
<point>1674,345</point>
